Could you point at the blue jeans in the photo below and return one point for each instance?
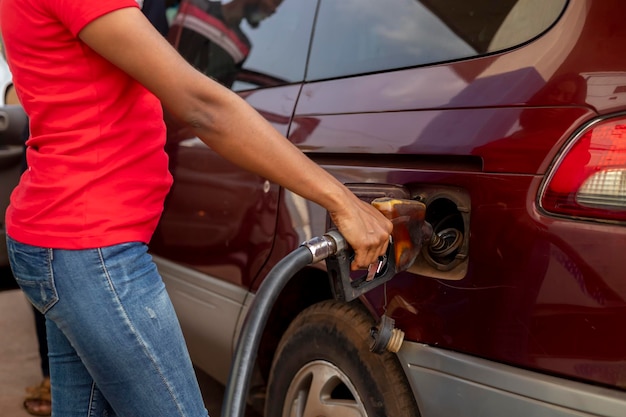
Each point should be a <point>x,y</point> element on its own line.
<point>115,345</point>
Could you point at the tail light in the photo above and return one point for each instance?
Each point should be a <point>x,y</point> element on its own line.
<point>589,179</point>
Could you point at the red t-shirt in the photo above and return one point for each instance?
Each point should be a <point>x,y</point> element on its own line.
<point>97,174</point>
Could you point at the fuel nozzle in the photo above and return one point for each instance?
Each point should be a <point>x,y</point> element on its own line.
<point>410,231</point>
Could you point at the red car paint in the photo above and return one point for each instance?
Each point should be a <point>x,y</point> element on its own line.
<point>538,290</point>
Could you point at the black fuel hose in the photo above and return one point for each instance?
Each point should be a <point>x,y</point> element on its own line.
<point>253,326</point>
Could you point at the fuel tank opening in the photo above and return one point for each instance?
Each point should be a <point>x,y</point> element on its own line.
<point>448,213</point>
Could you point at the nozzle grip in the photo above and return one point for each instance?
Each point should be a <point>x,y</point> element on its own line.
<point>345,287</point>
<point>410,230</point>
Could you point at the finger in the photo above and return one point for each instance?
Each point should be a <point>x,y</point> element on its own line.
<point>364,258</point>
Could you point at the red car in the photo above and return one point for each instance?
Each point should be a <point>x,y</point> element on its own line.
<point>507,119</point>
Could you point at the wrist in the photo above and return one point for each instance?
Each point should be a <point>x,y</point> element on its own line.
<point>338,199</point>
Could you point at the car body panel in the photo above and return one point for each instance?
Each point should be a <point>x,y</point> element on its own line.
<point>451,383</point>
<point>413,138</point>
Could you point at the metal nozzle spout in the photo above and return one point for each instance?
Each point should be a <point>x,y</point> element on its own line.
<point>322,247</point>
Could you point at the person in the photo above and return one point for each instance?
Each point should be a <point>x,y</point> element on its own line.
<point>94,78</point>
<point>38,399</point>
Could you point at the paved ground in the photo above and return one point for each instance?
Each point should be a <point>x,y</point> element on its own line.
<point>19,358</point>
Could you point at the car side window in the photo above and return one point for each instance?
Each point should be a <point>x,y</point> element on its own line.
<point>260,44</point>
<point>363,36</point>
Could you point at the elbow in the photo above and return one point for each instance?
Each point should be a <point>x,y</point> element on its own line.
<point>195,119</point>
<point>207,112</point>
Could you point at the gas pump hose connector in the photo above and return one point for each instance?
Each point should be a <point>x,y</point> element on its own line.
<point>311,251</point>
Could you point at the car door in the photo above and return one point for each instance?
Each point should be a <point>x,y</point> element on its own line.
<point>217,229</point>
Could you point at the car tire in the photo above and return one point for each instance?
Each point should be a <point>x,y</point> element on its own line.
<point>324,366</point>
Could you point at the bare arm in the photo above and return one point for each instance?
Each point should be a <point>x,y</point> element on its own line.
<point>231,127</point>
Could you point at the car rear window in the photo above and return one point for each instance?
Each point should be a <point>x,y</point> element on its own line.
<point>361,36</point>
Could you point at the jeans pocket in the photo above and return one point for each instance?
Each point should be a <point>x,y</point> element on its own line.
<point>32,272</point>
